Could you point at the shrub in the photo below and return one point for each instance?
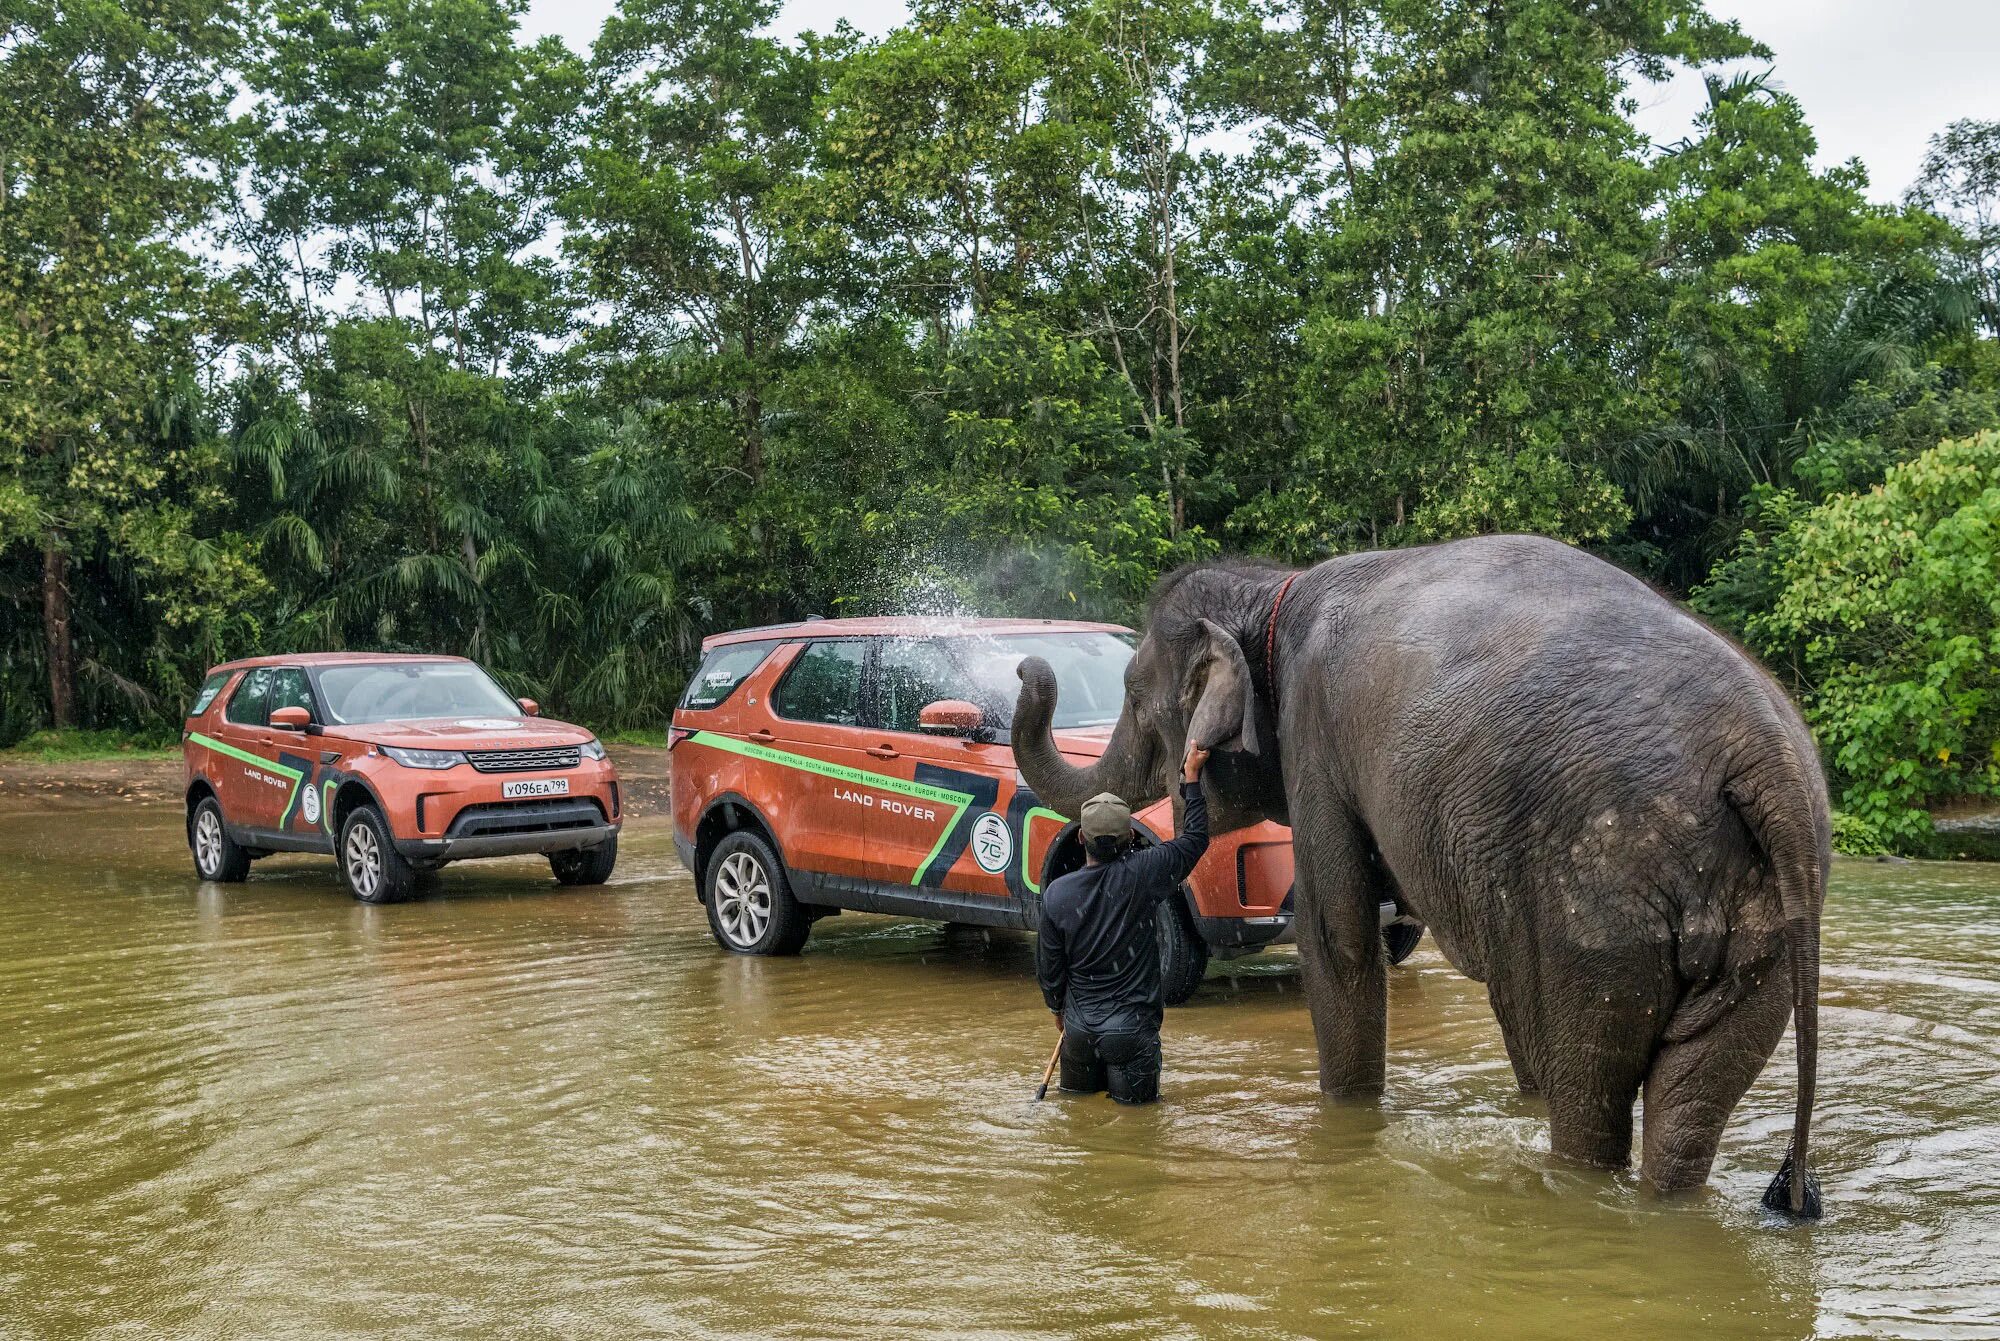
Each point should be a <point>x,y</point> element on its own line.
<point>1892,600</point>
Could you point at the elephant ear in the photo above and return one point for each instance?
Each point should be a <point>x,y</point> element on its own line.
<point>1223,695</point>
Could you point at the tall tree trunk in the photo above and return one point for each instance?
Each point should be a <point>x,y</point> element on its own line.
<point>468,549</point>
<point>752,402</point>
<point>56,631</point>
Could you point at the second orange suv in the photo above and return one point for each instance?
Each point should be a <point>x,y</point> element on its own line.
<point>865,764</point>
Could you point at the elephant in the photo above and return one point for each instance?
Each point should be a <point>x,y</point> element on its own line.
<point>1603,810</point>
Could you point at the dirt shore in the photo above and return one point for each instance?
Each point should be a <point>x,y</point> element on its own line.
<point>155,780</point>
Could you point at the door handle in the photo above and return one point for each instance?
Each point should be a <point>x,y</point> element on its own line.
<point>762,736</point>
<point>884,752</point>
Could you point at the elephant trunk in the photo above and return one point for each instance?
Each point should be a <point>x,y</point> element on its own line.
<point>1061,785</point>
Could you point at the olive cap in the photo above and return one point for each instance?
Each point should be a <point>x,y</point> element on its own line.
<point>1106,816</point>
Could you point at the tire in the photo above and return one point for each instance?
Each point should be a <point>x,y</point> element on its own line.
<point>216,855</point>
<point>1183,953</point>
<point>370,866</point>
<point>585,865</point>
<point>1399,940</point>
<point>751,910</point>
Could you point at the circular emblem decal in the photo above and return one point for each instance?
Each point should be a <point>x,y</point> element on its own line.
<point>992,843</point>
<point>309,803</point>
<point>487,724</point>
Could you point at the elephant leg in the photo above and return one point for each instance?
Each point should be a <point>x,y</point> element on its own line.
<point>1341,957</point>
<point>1695,1083</point>
<point>1594,1046</point>
<point>1517,1052</point>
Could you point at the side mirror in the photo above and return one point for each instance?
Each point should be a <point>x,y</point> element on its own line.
<point>290,719</point>
<point>951,717</point>
<point>530,707</point>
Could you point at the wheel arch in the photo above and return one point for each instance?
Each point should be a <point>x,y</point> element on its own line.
<point>353,791</point>
<point>199,790</point>
<point>725,814</point>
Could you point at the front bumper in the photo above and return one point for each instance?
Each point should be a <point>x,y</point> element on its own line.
<point>435,851</point>
<point>512,829</point>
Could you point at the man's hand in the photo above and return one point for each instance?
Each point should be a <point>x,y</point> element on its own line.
<point>1197,759</point>
<point>1060,1026</point>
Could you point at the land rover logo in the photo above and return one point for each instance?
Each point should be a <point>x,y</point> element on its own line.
<point>309,804</point>
<point>992,843</point>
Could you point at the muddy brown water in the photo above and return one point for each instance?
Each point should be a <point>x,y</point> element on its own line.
<point>514,1110</point>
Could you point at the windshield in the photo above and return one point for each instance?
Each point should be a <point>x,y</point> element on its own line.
<point>401,691</point>
<point>1089,667</point>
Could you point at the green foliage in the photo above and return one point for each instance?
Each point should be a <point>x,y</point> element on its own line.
<point>1889,602</point>
<point>1856,837</point>
<point>52,747</point>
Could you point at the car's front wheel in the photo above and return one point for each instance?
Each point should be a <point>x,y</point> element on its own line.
<point>216,855</point>
<point>370,866</point>
<point>751,910</point>
<point>1183,953</point>
<point>585,866</point>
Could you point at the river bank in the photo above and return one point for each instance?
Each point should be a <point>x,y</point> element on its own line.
<point>148,777</point>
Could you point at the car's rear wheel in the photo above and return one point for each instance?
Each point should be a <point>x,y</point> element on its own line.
<point>1183,953</point>
<point>370,866</point>
<point>585,866</point>
<point>216,855</point>
<point>751,910</point>
<point>1399,940</point>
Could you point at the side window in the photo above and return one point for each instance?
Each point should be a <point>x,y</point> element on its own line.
<point>288,690</point>
<point>721,671</point>
<point>250,705</point>
<point>209,689</point>
<point>823,685</point>
<point>909,674</point>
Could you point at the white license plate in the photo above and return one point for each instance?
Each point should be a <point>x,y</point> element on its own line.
<point>536,787</point>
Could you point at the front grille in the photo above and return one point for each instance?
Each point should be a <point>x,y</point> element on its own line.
<point>525,761</point>
<point>513,817</point>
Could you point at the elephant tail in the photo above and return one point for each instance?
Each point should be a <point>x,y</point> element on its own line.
<point>1779,812</point>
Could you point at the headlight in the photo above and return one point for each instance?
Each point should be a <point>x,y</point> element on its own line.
<point>425,758</point>
<point>593,748</point>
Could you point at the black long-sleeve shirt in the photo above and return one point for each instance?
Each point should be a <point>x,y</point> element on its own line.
<point>1096,951</point>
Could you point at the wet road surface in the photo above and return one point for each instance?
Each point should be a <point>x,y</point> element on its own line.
<point>517,1110</point>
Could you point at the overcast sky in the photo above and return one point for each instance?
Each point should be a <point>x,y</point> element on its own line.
<point>1877,80</point>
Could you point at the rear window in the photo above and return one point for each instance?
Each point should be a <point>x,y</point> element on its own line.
<point>209,689</point>
<point>721,671</point>
<point>823,685</point>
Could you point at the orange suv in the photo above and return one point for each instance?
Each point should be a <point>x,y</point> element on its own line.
<point>394,765</point>
<point>865,764</point>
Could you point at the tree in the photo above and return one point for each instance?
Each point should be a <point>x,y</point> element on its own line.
<point>114,116</point>
<point>1786,290</point>
<point>1960,179</point>
<point>698,127</point>
<point>403,160</point>
<point>1488,244</point>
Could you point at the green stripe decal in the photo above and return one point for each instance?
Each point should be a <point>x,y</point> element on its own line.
<point>922,791</point>
<point>1027,827</point>
<point>326,806</point>
<point>268,765</point>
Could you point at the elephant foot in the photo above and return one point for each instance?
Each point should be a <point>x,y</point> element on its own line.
<point>1359,1093</point>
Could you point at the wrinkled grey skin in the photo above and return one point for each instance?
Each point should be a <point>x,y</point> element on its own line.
<point>1601,808</point>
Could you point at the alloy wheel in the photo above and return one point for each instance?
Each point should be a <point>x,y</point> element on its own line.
<point>742,899</point>
<point>363,858</point>
<point>208,842</point>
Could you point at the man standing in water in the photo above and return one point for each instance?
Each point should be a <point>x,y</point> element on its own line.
<point>1097,953</point>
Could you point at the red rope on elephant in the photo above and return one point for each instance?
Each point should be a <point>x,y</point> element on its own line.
<point>1271,643</point>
